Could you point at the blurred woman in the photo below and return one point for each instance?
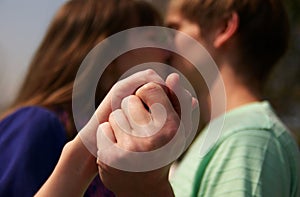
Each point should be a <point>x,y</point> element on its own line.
<point>35,128</point>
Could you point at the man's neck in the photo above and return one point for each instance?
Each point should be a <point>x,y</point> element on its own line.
<point>237,93</point>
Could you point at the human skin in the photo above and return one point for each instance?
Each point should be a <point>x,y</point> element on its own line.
<point>154,182</point>
<point>237,94</point>
<point>77,166</point>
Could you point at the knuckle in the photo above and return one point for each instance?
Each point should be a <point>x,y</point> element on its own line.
<point>113,115</point>
<point>150,72</point>
<point>124,102</point>
<point>132,99</point>
<point>129,102</point>
<point>149,87</point>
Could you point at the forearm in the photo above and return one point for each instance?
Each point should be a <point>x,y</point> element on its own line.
<point>76,168</point>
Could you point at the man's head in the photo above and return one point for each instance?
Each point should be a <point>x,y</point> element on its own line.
<point>255,30</point>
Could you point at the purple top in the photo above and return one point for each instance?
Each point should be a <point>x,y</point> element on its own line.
<point>31,141</point>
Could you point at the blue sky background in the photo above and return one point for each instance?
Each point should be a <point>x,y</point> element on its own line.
<point>22,26</point>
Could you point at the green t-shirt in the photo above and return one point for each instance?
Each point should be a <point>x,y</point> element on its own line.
<point>255,155</point>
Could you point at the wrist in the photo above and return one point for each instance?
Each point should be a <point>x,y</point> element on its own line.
<point>78,155</point>
<point>77,167</point>
<point>73,173</point>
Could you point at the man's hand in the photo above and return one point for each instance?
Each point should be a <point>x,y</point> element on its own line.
<point>137,139</point>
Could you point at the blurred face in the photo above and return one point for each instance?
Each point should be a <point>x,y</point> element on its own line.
<point>176,21</point>
<point>141,55</point>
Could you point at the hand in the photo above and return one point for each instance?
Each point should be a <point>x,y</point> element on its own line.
<point>77,165</point>
<point>133,138</point>
<point>112,101</point>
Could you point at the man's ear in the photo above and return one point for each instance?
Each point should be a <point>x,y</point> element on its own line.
<point>227,30</point>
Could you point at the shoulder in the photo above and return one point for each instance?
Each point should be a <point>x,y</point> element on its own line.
<point>256,125</point>
<point>32,122</point>
<point>30,113</point>
<point>254,148</point>
<point>31,140</point>
<point>264,143</point>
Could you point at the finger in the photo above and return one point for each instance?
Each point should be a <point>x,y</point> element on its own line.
<point>195,103</point>
<point>125,88</point>
<point>107,131</point>
<point>108,151</point>
<point>185,99</point>
<point>105,140</point>
<point>152,93</point>
<point>173,97</point>
<point>125,136</point>
<point>154,96</point>
<point>129,85</point>
<point>173,83</point>
<point>140,118</point>
<point>119,124</point>
<point>135,111</point>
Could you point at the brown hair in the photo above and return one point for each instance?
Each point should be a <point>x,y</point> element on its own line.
<point>76,28</point>
<point>262,34</point>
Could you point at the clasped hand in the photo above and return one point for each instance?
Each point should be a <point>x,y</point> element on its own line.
<point>144,123</point>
